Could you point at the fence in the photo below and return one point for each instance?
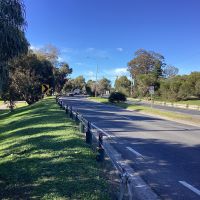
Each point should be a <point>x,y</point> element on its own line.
<point>175,105</point>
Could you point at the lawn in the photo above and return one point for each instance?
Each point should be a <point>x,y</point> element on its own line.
<point>1,102</point>
<point>42,156</point>
<point>189,102</point>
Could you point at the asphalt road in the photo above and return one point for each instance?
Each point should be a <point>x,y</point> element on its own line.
<point>165,154</point>
<point>194,113</point>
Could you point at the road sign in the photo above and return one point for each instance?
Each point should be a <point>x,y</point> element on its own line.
<point>45,88</point>
<point>151,89</point>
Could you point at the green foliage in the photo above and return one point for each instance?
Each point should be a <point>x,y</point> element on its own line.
<point>12,38</point>
<point>60,76</point>
<point>26,75</point>
<point>103,85</point>
<point>79,82</point>
<point>116,97</point>
<point>146,69</point>
<point>90,87</point>
<point>12,24</point>
<point>143,83</point>
<point>43,157</point>
<point>123,85</point>
<point>146,62</point>
<point>72,84</point>
<point>180,87</point>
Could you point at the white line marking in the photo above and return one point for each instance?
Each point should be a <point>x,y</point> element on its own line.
<point>126,118</point>
<point>135,152</point>
<point>195,190</point>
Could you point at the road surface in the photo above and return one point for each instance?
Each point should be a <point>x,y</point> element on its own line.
<point>165,154</point>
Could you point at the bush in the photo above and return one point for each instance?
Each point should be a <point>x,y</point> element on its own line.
<point>116,97</point>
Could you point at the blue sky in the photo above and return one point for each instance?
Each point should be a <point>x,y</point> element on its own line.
<point>108,32</point>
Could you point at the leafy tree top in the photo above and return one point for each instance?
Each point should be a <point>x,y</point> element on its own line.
<point>12,26</point>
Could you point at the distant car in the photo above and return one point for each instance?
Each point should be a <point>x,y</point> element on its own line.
<point>76,91</point>
<point>70,94</point>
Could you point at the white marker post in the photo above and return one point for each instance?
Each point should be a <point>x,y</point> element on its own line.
<point>151,91</point>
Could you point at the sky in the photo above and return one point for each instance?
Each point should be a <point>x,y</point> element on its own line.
<point>101,36</point>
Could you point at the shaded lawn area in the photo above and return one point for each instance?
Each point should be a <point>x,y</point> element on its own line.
<point>42,156</point>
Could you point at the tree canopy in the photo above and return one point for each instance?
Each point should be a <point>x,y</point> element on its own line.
<point>12,38</point>
<point>123,85</point>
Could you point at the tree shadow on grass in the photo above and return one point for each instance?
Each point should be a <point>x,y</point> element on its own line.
<point>47,162</point>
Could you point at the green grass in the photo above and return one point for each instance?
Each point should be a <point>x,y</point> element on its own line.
<point>42,156</point>
<point>149,110</point>
<point>1,102</point>
<point>189,102</point>
<point>21,104</point>
<point>99,99</point>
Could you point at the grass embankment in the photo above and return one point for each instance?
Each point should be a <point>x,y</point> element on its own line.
<point>148,110</point>
<point>42,156</point>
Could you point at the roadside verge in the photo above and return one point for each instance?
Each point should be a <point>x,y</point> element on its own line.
<point>44,157</point>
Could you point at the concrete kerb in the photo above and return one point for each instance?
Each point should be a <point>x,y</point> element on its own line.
<point>131,183</point>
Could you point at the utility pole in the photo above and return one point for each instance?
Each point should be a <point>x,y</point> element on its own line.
<point>96,82</point>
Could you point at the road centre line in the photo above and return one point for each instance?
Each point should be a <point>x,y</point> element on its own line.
<point>135,152</point>
<point>187,185</point>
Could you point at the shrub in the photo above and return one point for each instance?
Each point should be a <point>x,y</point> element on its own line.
<point>116,97</point>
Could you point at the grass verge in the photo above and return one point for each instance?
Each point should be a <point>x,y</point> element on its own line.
<point>148,110</point>
<point>43,157</point>
<point>194,102</point>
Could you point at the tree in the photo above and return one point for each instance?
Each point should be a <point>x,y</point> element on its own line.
<point>12,38</point>
<point>197,88</point>
<point>90,87</point>
<point>170,71</point>
<point>146,62</point>
<point>123,85</point>
<point>61,76</point>
<point>146,65</point>
<point>68,86</point>
<point>50,53</point>
<point>61,69</point>
<point>103,85</point>
<point>26,75</point>
<point>79,82</point>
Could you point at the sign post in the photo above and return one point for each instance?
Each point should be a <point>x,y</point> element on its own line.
<point>151,91</point>
<point>45,88</point>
